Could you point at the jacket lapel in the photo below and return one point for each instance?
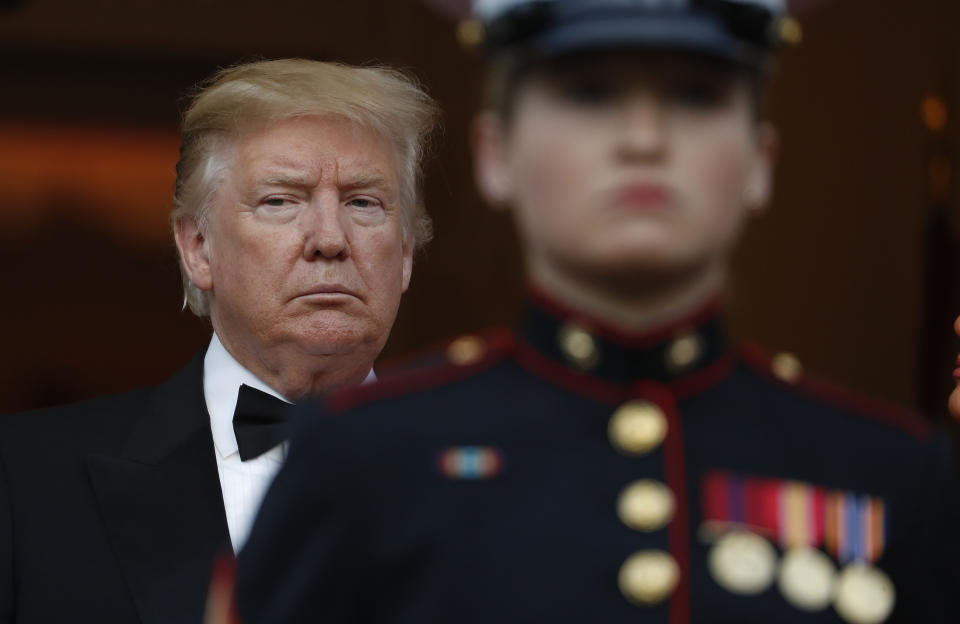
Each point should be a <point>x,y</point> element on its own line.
<point>161,502</point>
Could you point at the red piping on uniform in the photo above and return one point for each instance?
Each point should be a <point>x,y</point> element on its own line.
<point>562,375</point>
<point>414,360</point>
<point>647,338</point>
<point>499,346</point>
<point>221,606</point>
<point>886,413</point>
<point>704,378</point>
<point>676,474</point>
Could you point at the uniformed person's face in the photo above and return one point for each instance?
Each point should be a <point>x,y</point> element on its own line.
<point>304,256</point>
<point>623,168</point>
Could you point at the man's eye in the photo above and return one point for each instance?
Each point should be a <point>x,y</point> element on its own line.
<point>275,201</point>
<point>364,202</point>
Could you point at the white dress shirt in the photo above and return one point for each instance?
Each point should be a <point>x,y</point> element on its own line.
<point>244,483</point>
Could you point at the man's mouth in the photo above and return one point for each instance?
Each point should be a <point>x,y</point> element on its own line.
<point>328,292</point>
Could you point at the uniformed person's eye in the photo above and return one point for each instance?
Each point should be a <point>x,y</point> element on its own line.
<point>699,94</point>
<point>588,91</point>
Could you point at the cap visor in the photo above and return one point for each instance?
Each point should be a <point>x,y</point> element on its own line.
<point>699,34</point>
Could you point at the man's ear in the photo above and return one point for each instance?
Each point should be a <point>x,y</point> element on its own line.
<point>759,187</point>
<point>193,246</point>
<point>490,168</point>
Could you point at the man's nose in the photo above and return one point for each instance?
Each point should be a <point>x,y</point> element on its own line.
<point>325,233</point>
<point>642,133</point>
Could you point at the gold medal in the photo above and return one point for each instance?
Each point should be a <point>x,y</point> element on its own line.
<point>807,578</point>
<point>865,594</point>
<point>743,563</point>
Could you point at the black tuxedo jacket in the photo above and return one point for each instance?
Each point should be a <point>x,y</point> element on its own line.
<point>111,509</point>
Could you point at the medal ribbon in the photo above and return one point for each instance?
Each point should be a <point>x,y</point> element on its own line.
<point>851,527</point>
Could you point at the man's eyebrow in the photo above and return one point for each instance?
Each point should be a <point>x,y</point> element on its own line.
<point>286,179</point>
<point>374,180</point>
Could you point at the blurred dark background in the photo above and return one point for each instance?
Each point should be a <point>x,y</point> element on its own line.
<point>853,269</point>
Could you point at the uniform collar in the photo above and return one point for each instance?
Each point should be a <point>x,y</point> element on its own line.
<point>592,347</point>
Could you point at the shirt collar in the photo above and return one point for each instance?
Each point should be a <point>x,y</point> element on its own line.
<point>222,377</point>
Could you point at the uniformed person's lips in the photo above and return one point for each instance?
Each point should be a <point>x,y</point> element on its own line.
<point>643,197</point>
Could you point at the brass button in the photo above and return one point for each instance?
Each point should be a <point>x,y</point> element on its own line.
<point>579,346</point>
<point>790,31</point>
<point>471,33</point>
<point>683,352</point>
<point>646,505</point>
<point>466,350</point>
<point>786,367</point>
<point>648,577</point>
<point>637,427</point>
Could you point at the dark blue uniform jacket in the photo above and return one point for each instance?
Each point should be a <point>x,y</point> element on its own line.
<point>485,488</point>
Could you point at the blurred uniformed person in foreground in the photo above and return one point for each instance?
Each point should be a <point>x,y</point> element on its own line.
<point>615,460</point>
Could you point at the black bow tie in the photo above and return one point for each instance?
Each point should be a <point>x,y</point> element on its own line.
<point>259,422</point>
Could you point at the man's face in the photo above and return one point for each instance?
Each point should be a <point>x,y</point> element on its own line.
<point>304,251</point>
<point>621,166</point>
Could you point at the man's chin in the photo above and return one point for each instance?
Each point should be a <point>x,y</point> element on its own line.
<point>334,335</point>
<point>331,346</point>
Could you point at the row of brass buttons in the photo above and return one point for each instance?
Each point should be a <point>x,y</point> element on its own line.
<point>649,576</point>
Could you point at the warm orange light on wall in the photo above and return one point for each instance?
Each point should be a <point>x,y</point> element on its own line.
<point>935,114</point>
<point>118,179</point>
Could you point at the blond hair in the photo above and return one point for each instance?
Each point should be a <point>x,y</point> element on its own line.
<point>246,96</point>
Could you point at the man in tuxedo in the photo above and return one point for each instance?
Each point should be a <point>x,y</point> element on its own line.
<point>297,215</point>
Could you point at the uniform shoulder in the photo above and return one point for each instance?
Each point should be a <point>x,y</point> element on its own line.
<point>786,371</point>
<point>443,364</point>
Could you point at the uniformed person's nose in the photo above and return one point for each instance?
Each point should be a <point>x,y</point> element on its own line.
<point>643,129</point>
<point>324,230</point>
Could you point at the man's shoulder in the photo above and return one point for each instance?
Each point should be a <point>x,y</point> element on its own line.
<point>103,417</point>
<point>97,423</point>
<point>99,407</point>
